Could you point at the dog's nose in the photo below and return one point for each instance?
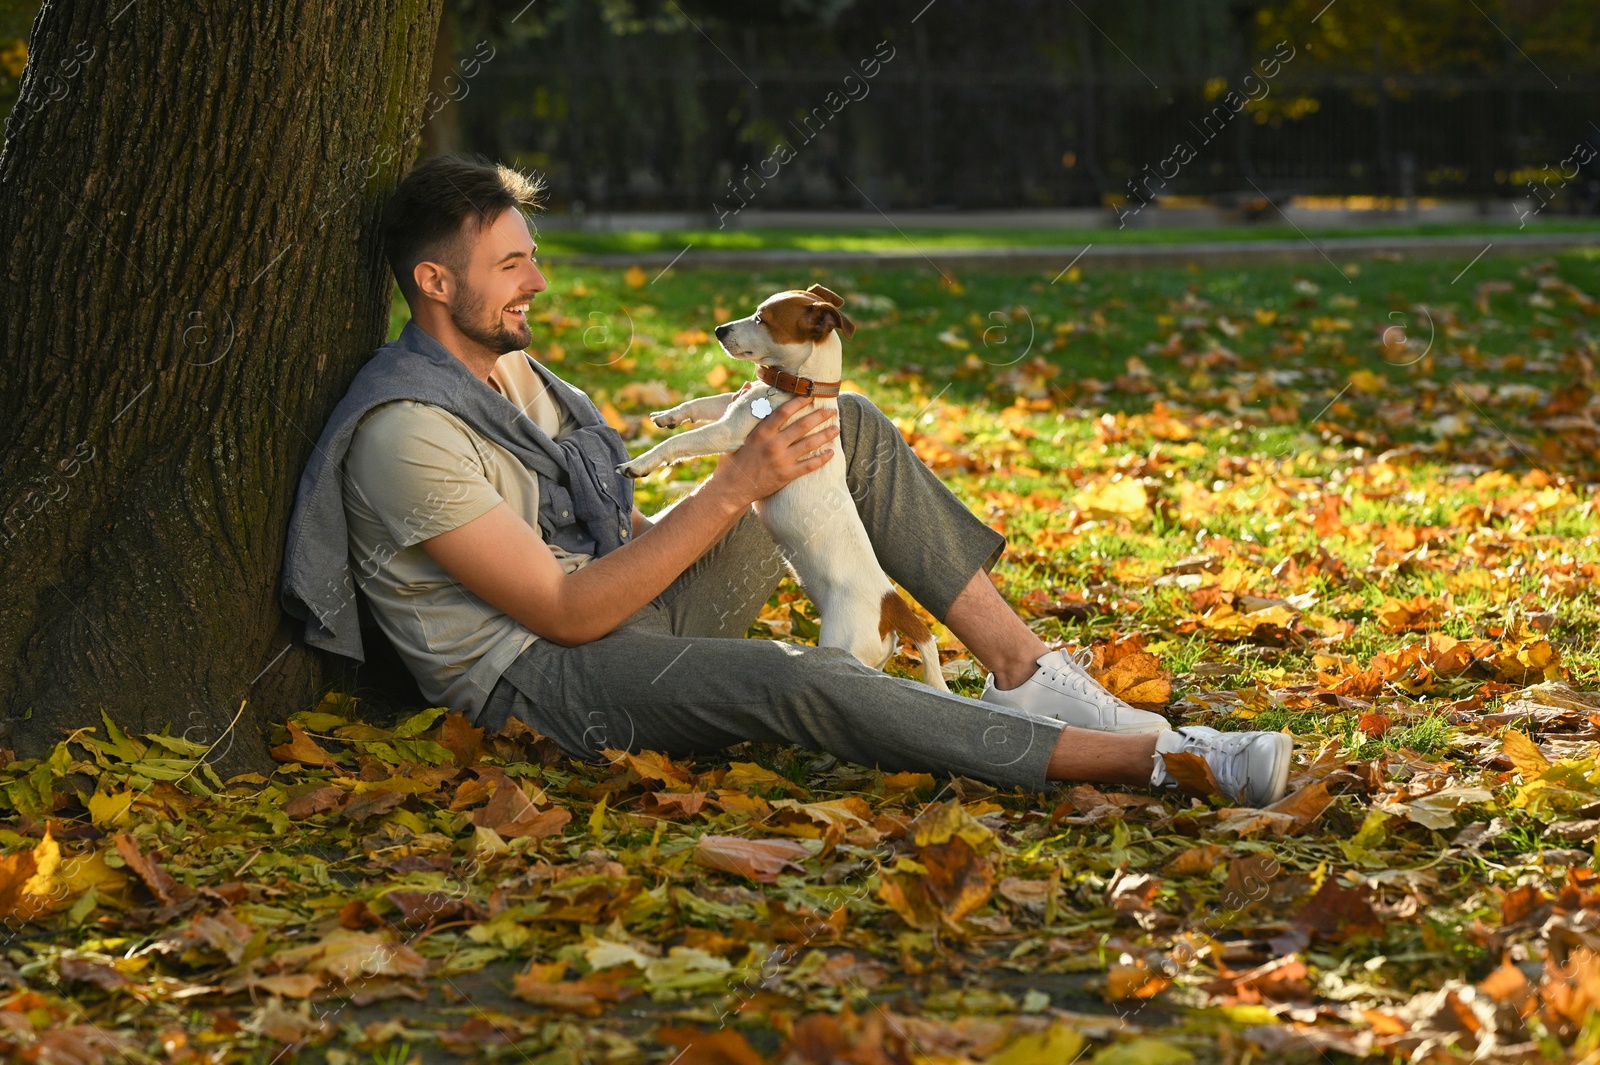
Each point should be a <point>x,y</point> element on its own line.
<point>722,330</point>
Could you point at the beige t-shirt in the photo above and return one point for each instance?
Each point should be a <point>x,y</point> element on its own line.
<point>414,471</point>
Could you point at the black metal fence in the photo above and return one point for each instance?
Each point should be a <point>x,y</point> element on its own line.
<point>902,115</point>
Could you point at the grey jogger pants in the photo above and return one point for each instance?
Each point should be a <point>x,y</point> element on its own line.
<point>680,677</point>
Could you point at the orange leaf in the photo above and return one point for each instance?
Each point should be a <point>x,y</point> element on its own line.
<point>1138,678</point>
<point>512,814</point>
<point>460,737</point>
<point>1192,773</point>
<point>302,748</point>
<point>721,1046</point>
<point>25,888</point>
<point>650,765</point>
<point>1133,981</point>
<point>1201,859</point>
<point>1373,725</point>
<point>1410,615</point>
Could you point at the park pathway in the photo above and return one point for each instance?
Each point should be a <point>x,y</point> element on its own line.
<point>1093,255</point>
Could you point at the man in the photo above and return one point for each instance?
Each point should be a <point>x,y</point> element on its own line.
<point>473,496</point>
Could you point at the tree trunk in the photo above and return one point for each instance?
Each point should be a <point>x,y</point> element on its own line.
<point>188,206</point>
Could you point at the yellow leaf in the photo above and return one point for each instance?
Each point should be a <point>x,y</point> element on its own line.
<point>1056,1045</point>
<point>1115,499</point>
<point>110,811</point>
<point>78,873</point>
<point>597,820</point>
<point>27,880</point>
<point>1524,754</point>
<point>748,775</point>
<point>613,417</point>
<point>1142,1052</point>
<point>1367,382</point>
<point>635,277</point>
<point>718,376</point>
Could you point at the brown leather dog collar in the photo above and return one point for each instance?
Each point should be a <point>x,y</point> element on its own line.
<point>799,386</point>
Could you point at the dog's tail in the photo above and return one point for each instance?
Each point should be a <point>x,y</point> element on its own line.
<point>896,615</point>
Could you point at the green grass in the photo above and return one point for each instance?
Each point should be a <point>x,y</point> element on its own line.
<point>1248,406</point>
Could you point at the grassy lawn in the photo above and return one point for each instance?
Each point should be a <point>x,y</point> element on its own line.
<point>557,242</point>
<point>1361,511</point>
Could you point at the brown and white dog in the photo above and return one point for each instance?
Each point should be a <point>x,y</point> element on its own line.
<point>794,337</point>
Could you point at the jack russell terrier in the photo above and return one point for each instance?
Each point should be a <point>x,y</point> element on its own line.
<point>794,338</point>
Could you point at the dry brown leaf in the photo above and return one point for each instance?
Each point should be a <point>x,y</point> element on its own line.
<point>351,957</point>
<point>673,804</point>
<point>759,859</point>
<point>1249,880</point>
<point>1201,859</point>
<point>947,882</point>
<point>299,805</point>
<point>157,879</point>
<point>290,985</point>
<point>1336,913</point>
<point>543,986</point>
<point>87,971</point>
<point>1280,980</point>
<point>460,737</point>
<point>512,814</point>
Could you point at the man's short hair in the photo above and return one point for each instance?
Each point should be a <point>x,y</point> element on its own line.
<point>426,218</point>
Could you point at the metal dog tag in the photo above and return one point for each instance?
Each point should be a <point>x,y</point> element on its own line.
<point>760,406</point>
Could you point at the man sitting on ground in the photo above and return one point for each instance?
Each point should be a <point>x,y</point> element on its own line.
<point>472,496</point>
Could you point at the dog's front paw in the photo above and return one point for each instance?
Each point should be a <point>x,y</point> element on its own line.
<point>668,419</point>
<point>637,469</point>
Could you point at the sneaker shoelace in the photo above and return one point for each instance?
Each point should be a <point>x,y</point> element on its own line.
<point>1078,681</point>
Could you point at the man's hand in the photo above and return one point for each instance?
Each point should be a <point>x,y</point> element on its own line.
<point>779,450</point>
<point>503,560</point>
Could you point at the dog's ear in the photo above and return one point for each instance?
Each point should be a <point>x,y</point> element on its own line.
<point>822,318</point>
<point>825,296</point>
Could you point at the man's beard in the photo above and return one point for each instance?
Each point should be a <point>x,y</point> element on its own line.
<point>489,330</point>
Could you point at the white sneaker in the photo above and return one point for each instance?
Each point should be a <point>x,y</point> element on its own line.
<point>1250,767</point>
<point>1064,690</point>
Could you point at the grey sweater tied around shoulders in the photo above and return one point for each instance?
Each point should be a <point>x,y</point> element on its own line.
<point>584,504</point>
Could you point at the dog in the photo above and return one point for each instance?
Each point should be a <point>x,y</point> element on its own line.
<point>793,336</point>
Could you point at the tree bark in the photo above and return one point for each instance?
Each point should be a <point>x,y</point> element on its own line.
<point>192,274</point>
